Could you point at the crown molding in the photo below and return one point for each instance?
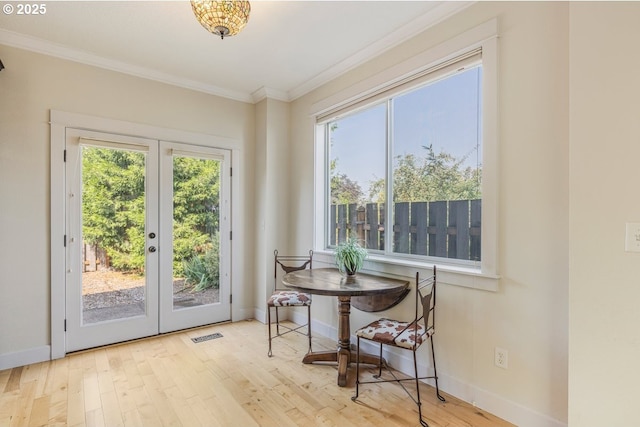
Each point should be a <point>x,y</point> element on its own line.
<point>420,24</point>
<point>45,47</point>
<point>265,92</point>
<point>434,16</point>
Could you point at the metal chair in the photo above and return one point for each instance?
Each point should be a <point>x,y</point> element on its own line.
<point>405,335</point>
<point>282,297</point>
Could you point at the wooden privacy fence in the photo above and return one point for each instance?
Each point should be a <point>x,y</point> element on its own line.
<point>93,258</point>
<point>448,229</point>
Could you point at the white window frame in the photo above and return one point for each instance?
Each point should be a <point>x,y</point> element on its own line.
<point>483,275</point>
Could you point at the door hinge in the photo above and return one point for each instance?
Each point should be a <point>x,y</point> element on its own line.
<point>230,171</point>
<point>231,235</point>
<point>64,156</point>
<point>65,325</point>
<point>230,298</point>
<point>65,240</point>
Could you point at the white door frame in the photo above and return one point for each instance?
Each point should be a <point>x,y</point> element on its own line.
<point>60,121</point>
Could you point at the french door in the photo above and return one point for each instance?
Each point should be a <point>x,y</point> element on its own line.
<point>195,221</point>
<point>147,237</point>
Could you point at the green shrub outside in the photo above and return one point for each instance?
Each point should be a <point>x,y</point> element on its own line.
<point>202,271</point>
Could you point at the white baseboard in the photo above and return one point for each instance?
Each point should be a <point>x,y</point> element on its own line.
<point>260,315</point>
<point>25,357</point>
<point>286,314</point>
<point>238,314</point>
<point>401,360</point>
<point>511,411</point>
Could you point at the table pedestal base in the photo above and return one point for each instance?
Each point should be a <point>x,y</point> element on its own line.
<point>343,359</point>
<point>343,355</point>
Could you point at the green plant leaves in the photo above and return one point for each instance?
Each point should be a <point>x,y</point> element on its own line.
<point>350,256</point>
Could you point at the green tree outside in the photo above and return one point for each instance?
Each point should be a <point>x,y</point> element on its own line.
<point>436,176</point>
<point>113,209</point>
<point>113,205</point>
<point>433,177</point>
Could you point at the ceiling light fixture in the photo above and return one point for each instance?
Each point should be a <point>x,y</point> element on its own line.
<point>223,18</point>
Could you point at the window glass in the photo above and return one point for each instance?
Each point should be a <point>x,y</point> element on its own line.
<point>437,168</point>
<point>431,157</point>
<point>357,167</point>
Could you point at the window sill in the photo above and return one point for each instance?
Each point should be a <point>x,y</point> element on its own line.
<point>467,277</point>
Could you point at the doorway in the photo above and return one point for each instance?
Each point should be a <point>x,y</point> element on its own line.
<point>147,238</point>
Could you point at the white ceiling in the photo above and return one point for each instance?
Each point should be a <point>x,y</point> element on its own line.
<point>287,49</point>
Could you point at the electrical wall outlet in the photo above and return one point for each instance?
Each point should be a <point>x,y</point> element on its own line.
<point>632,237</point>
<point>501,358</point>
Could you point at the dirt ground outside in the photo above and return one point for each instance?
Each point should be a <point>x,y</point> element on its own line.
<point>94,282</point>
<point>106,288</point>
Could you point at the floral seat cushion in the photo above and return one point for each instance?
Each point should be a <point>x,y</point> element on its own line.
<point>396,333</point>
<point>288,299</point>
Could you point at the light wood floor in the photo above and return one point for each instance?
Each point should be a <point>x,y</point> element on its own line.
<point>229,381</point>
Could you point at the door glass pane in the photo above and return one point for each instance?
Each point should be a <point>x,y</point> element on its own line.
<point>196,223</point>
<point>113,234</point>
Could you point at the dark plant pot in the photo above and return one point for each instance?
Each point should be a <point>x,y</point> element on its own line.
<point>351,275</point>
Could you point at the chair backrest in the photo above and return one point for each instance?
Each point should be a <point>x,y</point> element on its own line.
<point>289,263</point>
<point>426,300</point>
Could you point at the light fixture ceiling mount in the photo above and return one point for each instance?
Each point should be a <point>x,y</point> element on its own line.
<point>224,18</point>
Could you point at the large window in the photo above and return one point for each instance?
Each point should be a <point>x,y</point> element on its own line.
<point>413,158</point>
<point>406,161</point>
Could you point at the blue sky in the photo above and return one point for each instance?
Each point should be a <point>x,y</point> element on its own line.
<point>444,114</point>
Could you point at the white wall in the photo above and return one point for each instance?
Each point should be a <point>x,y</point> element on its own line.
<point>528,314</point>
<point>31,85</point>
<point>273,206</point>
<point>604,292</point>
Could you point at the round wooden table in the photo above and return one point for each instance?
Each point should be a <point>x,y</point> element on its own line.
<point>329,281</point>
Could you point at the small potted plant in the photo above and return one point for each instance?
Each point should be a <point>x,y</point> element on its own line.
<point>350,256</point>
